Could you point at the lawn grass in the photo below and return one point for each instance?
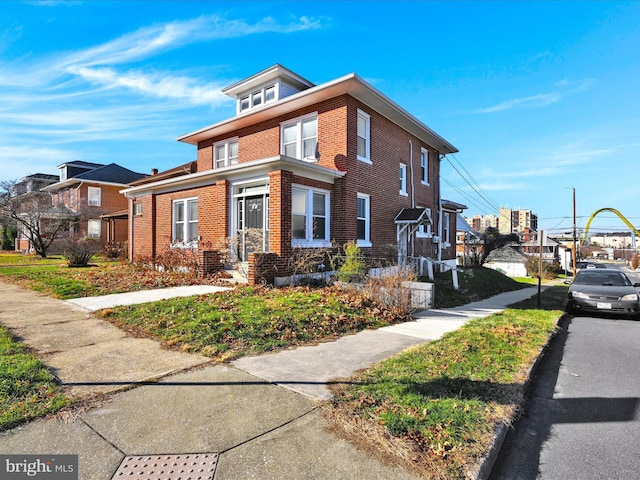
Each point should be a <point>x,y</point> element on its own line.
<point>475,284</point>
<point>250,320</point>
<point>17,258</point>
<point>435,407</point>
<point>27,389</point>
<point>102,279</point>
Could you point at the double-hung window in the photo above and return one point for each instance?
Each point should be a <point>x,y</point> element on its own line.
<point>424,166</point>
<point>299,138</point>
<point>363,220</point>
<point>94,196</point>
<point>185,221</point>
<point>403,180</point>
<point>446,229</point>
<point>225,153</point>
<point>309,217</point>
<point>94,228</point>
<point>364,136</point>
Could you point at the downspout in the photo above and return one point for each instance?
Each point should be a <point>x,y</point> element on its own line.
<point>413,197</point>
<point>440,157</point>
<point>78,204</point>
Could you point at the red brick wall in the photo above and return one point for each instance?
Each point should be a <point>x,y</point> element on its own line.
<point>337,141</point>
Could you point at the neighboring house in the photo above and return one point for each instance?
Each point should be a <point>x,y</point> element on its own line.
<point>300,166</point>
<point>91,191</point>
<point>508,260</point>
<point>28,185</point>
<point>550,249</point>
<point>466,241</point>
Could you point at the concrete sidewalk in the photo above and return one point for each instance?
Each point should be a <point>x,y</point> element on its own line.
<point>228,421</point>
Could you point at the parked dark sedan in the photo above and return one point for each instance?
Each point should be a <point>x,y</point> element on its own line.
<point>604,290</point>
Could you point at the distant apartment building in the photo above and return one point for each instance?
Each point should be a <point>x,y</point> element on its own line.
<point>520,221</point>
<point>480,223</point>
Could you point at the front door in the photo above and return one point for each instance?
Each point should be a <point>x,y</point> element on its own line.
<point>252,219</point>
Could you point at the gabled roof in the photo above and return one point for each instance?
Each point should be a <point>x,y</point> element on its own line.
<point>350,84</point>
<point>412,216</point>
<point>111,174</point>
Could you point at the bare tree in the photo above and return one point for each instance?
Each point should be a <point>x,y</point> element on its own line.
<point>35,216</point>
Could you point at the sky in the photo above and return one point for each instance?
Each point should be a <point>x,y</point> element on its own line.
<point>540,98</point>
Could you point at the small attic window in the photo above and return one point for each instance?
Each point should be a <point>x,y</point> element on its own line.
<point>257,98</point>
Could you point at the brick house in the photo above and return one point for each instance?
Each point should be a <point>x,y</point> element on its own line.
<point>91,192</point>
<point>304,166</point>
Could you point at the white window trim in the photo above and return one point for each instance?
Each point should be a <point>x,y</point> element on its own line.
<point>403,185</point>
<point>426,167</point>
<point>366,242</point>
<point>367,118</point>
<point>185,225</point>
<point>309,241</point>
<point>224,143</point>
<point>422,233</point>
<point>97,191</point>
<point>137,208</point>
<point>299,140</point>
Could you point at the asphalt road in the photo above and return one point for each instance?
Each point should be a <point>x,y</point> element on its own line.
<point>583,417</point>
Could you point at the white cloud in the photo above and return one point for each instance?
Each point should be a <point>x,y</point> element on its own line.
<point>157,85</point>
<point>96,94</point>
<point>540,100</point>
<point>565,87</point>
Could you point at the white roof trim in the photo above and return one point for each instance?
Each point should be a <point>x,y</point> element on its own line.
<point>350,84</point>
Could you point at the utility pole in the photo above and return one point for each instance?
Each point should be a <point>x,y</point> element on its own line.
<point>575,236</point>
<point>540,267</point>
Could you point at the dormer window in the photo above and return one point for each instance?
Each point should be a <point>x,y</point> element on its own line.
<point>258,98</point>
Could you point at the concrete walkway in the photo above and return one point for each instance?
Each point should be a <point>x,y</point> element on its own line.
<point>230,421</point>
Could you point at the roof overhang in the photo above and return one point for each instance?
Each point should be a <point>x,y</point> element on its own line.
<point>75,181</point>
<point>119,215</point>
<point>350,84</point>
<point>235,172</point>
<point>453,206</point>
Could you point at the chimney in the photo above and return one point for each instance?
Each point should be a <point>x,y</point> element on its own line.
<point>154,171</point>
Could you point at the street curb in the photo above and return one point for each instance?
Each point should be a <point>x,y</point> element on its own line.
<point>486,463</point>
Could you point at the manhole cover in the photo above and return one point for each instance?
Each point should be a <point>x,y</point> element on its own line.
<point>197,466</point>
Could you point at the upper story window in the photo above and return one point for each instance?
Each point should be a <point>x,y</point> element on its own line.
<point>364,136</point>
<point>137,209</point>
<point>225,153</point>
<point>257,98</point>
<point>424,166</point>
<point>299,138</point>
<point>185,221</point>
<point>403,180</point>
<point>94,196</point>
